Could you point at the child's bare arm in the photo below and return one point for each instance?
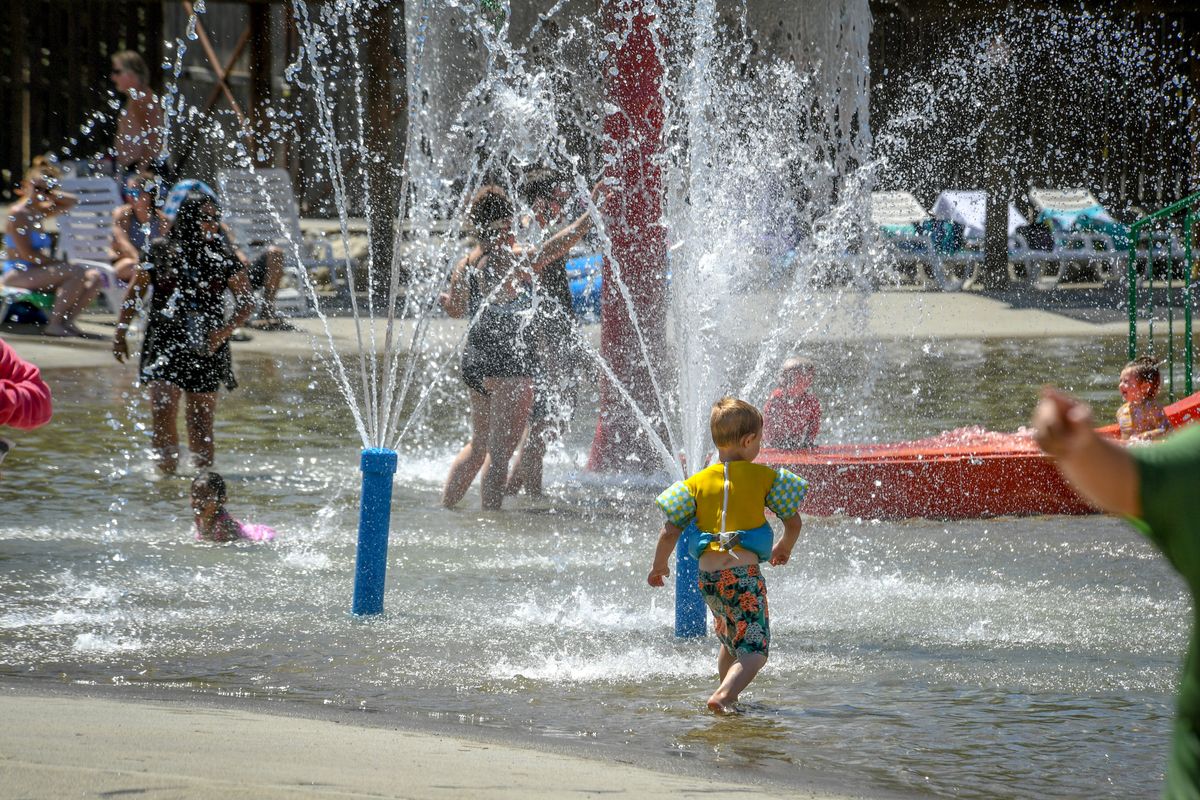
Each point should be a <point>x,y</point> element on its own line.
<point>781,553</point>
<point>666,544</point>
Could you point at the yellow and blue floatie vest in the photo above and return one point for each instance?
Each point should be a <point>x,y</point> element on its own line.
<point>721,507</point>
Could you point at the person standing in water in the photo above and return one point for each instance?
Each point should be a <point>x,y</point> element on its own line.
<point>1155,488</point>
<point>491,288</point>
<point>720,510</point>
<point>556,355</point>
<point>186,347</point>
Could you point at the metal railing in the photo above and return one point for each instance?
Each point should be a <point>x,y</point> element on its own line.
<point>1152,240</point>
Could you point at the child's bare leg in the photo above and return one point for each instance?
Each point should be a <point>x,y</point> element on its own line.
<point>468,461</point>
<point>164,406</point>
<point>737,678</point>
<point>201,408</point>
<point>725,660</point>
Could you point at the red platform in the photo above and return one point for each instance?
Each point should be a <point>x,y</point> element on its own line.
<point>959,474</point>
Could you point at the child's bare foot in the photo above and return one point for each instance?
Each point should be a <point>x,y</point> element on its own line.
<point>719,703</point>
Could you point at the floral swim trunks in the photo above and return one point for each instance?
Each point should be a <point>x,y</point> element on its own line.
<point>737,598</point>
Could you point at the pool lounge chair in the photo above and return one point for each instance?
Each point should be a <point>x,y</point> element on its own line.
<point>85,232</point>
<point>911,235</point>
<point>968,207</point>
<point>1084,232</point>
<point>261,209</point>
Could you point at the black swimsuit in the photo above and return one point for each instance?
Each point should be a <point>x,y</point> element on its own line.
<point>188,303</point>
<point>496,343</point>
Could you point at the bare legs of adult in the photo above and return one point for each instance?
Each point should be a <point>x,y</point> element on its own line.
<point>497,420</point>
<point>273,263</point>
<point>468,461</point>
<point>164,411</point>
<point>510,399</point>
<point>527,473</point>
<point>74,289</point>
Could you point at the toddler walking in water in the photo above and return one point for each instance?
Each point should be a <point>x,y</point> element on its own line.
<point>213,522</point>
<point>1141,417</point>
<point>720,511</point>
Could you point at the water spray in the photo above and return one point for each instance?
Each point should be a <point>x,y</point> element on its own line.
<point>378,465</point>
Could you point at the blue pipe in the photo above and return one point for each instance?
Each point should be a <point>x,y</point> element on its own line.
<point>374,520</point>
<point>691,615</point>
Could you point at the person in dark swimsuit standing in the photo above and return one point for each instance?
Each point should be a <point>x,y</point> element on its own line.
<point>491,287</point>
<point>557,354</point>
<point>186,348</point>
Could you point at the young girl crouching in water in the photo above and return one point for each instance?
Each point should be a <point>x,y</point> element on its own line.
<point>213,522</point>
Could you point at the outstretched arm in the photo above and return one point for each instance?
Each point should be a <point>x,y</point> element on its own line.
<point>1101,471</point>
<point>560,244</point>
<point>666,545</point>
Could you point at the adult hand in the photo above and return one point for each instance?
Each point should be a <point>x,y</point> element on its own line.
<point>655,578</point>
<point>120,349</point>
<point>1062,424</point>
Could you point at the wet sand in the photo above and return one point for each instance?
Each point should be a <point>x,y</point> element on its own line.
<point>67,743</point>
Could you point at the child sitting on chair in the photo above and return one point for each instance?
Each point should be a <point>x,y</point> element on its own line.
<point>213,522</point>
<point>1141,417</point>
<point>792,414</point>
<point>720,510</point>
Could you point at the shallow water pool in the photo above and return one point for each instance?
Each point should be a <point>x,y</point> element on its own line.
<point>993,658</point>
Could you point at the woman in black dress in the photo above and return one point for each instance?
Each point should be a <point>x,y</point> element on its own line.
<point>186,348</point>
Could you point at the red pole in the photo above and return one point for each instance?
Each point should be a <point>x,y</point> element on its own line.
<point>632,148</point>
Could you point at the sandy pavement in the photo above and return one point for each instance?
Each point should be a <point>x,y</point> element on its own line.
<point>884,315</point>
<point>55,746</point>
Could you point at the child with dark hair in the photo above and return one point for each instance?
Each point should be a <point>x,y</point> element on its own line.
<point>213,522</point>
<point>1141,417</point>
<point>186,347</point>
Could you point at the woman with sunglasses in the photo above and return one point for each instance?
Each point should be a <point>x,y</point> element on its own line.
<point>186,347</point>
<point>136,224</point>
<point>29,264</point>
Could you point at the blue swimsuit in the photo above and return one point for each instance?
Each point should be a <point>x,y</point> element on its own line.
<point>40,240</point>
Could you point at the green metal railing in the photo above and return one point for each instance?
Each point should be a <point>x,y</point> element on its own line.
<point>1190,206</point>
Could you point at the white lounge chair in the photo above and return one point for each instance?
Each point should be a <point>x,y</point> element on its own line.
<point>902,220</point>
<point>968,207</point>
<point>85,232</point>
<point>1084,232</point>
<point>261,210</point>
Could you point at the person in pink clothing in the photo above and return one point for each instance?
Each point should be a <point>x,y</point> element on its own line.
<point>24,396</point>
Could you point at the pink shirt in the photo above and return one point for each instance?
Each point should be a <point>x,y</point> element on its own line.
<point>24,396</point>
<point>791,420</point>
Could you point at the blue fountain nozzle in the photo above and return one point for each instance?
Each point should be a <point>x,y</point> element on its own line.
<point>378,460</point>
<point>378,465</point>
